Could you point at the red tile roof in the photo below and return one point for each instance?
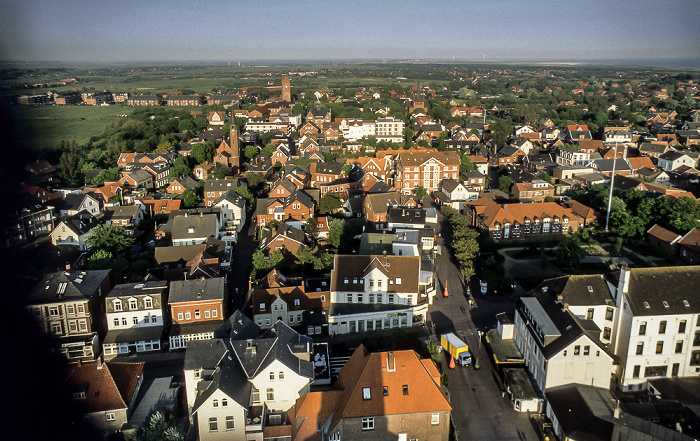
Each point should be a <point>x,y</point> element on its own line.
<point>310,410</point>
<point>492,212</point>
<point>663,234</point>
<point>108,387</point>
<point>424,393</point>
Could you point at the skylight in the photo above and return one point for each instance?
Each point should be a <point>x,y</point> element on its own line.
<point>685,302</point>
<point>665,304</point>
<point>646,305</point>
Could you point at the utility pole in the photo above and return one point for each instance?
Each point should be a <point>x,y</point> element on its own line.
<point>612,177</point>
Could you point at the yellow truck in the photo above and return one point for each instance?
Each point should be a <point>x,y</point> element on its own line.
<point>457,348</point>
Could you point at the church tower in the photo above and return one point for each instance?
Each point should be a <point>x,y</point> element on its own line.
<point>286,89</point>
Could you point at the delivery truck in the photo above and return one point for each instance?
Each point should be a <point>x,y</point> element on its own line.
<point>457,348</point>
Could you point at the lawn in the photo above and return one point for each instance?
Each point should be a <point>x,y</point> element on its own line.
<point>43,127</point>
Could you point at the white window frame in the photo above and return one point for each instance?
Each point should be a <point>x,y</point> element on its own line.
<point>367,423</point>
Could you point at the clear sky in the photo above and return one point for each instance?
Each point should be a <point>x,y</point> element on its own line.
<point>215,30</point>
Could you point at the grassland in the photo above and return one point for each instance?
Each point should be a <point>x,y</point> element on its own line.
<point>41,128</point>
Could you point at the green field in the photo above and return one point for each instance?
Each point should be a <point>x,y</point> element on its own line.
<point>43,127</point>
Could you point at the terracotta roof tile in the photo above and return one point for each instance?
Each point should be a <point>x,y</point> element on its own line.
<point>108,387</point>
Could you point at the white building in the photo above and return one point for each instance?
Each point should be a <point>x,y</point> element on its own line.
<point>573,157</point>
<point>378,292</point>
<point>356,129</point>
<point>390,129</point>
<point>557,346</point>
<point>658,331</point>
<point>134,318</point>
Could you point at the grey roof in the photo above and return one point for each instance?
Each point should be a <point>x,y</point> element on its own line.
<point>672,155</point>
<point>580,290</point>
<point>649,147</point>
<point>203,225</point>
<point>80,223</point>
<point>139,289</point>
<point>199,289</point>
<point>220,184</point>
<point>448,184</point>
<point>286,183</point>
<point>230,379</point>
<point>284,230</point>
<point>279,343</point>
<point>186,181</point>
<point>122,211</point>
<point>140,175</point>
<point>406,215</point>
<point>157,396</point>
<point>506,151</point>
<point>238,327</point>
<point>204,354</point>
<point>331,168</point>
<point>587,413</point>
<point>231,197</point>
<point>381,187</point>
<point>606,165</point>
<point>658,287</point>
<point>73,200</point>
<point>134,334</point>
<point>66,285</point>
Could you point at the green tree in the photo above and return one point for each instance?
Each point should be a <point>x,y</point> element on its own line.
<point>504,183</point>
<point>250,151</point>
<point>159,429</point>
<point>111,174</point>
<point>247,195</point>
<point>570,251</point>
<point>254,180</point>
<point>339,233</point>
<point>190,198</point>
<point>421,192</point>
<point>203,151</point>
<point>500,131</point>
<point>100,259</point>
<point>311,228</point>
<point>329,203</point>
<point>267,136</point>
<point>545,177</point>
<point>112,238</point>
<point>466,164</point>
<point>267,150</point>
<point>220,171</point>
<point>181,167</point>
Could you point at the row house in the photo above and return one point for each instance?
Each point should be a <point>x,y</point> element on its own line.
<point>607,166</point>
<point>379,395</point>
<point>135,321</point>
<point>377,205</point>
<point>381,168</point>
<point>215,188</point>
<point>295,209</point>
<point>145,158</point>
<point>520,221</point>
<point>536,191</point>
<point>343,187</point>
<point>137,178</point>
<point>653,149</point>
<point>573,157</point>
<point>196,309</point>
<point>99,99</point>
<point>264,126</point>
<point>290,305</point>
<point>284,237</point>
<point>325,172</point>
<point>184,100</point>
<point>231,205</point>
<point>378,292</point>
<point>74,230</point>
<point>425,169</point>
<point>68,307</point>
<point>507,155</point>
<point>126,216</point>
<point>145,100</point>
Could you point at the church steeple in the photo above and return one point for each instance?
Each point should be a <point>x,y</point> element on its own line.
<point>235,143</point>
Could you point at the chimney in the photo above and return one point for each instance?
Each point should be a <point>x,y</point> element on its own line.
<point>625,279</point>
<point>560,297</point>
<point>566,306</point>
<point>68,266</point>
<point>100,363</point>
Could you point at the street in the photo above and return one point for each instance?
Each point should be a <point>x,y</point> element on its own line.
<point>240,263</point>
<point>478,409</point>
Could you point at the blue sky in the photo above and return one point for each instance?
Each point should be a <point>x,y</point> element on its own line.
<point>494,30</point>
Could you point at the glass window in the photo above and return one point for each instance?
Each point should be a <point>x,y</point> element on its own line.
<point>659,347</point>
<point>367,423</point>
<point>643,328</point>
<point>270,394</point>
<point>366,393</point>
<point>213,425</point>
<point>640,348</point>
<point>662,327</point>
<point>224,402</point>
<point>148,303</point>
<point>681,327</point>
<point>679,346</point>
<point>255,395</point>
<point>435,419</point>
<point>229,423</point>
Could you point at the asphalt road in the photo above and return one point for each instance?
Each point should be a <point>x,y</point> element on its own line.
<point>479,411</point>
<point>240,261</point>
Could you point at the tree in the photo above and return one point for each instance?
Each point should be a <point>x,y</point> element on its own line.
<point>339,233</point>
<point>250,151</point>
<point>466,164</point>
<point>110,238</point>
<point>267,150</point>
<point>570,251</point>
<point>254,180</point>
<point>346,169</point>
<point>220,171</point>
<point>203,151</point>
<point>160,429</point>
<point>100,259</point>
<point>190,199</point>
<point>311,228</point>
<point>504,183</point>
<point>421,192</point>
<point>181,167</point>
<point>111,174</point>
<point>329,203</point>
<point>267,136</point>
<point>246,194</point>
<point>500,131</point>
<point>545,177</point>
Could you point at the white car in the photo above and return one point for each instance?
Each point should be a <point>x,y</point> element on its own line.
<point>484,286</point>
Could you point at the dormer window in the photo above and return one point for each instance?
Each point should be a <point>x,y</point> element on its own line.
<point>148,302</point>
<point>133,304</point>
<point>118,305</point>
<point>262,306</point>
<point>190,230</point>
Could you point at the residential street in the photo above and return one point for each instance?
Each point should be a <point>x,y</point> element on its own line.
<point>240,261</point>
<point>479,410</point>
